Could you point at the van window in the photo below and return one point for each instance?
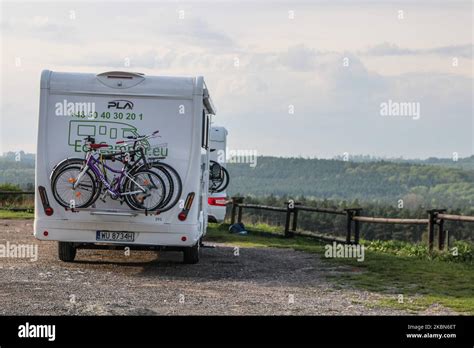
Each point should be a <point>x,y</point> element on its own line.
<point>85,130</point>
<point>113,133</point>
<point>205,130</point>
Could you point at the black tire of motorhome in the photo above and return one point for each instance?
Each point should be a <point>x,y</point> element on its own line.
<point>191,254</point>
<point>66,251</point>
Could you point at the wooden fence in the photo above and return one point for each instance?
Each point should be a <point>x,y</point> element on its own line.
<point>17,193</point>
<point>436,218</point>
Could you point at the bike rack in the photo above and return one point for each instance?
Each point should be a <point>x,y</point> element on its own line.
<point>113,212</point>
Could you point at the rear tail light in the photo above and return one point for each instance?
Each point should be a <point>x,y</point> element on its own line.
<point>45,201</point>
<point>187,206</point>
<point>182,216</point>
<point>220,202</point>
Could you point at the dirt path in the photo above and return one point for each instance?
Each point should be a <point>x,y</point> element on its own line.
<point>258,281</point>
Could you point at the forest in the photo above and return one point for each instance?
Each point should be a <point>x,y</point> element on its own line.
<point>380,182</point>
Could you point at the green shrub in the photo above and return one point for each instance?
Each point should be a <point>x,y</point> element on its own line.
<point>459,251</point>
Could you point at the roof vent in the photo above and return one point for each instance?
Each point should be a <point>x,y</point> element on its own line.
<point>120,79</point>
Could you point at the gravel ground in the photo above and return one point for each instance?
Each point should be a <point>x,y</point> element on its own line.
<point>260,281</point>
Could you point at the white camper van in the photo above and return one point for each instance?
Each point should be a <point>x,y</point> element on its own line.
<point>218,197</point>
<point>98,114</point>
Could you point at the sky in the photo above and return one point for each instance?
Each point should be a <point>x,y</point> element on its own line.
<point>288,78</point>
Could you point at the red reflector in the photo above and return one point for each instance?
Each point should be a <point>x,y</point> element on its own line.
<point>183,238</point>
<point>45,233</point>
<point>182,216</point>
<point>49,211</point>
<point>221,202</point>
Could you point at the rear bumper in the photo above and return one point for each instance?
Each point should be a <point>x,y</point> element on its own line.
<point>145,234</point>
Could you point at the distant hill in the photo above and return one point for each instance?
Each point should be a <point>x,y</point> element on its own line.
<point>466,163</point>
<point>18,169</point>
<point>380,181</point>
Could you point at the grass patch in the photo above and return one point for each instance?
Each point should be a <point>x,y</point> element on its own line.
<point>421,279</point>
<point>10,215</point>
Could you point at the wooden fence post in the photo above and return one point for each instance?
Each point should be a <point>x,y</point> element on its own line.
<point>235,202</point>
<point>295,218</point>
<point>239,215</point>
<point>357,226</point>
<point>441,232</point>
<point>289,210</point>
<point>349,214</point>
<point>431,225</point>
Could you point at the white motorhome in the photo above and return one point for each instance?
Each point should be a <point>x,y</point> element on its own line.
<point>109,107</point>
<point>217,200</point>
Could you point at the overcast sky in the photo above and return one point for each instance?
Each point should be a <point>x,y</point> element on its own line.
<point>331,62</point>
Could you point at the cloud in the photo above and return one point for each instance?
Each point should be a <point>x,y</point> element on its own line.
<point>388,49</point>
<point>298,58</point>
<point>197,32</point>
<point>464,51</point>
<point>40,27</point>
<point>391,49</point>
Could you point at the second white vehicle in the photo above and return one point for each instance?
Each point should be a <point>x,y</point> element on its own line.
<point>217,196</point>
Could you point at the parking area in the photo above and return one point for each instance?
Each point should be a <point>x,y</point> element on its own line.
<point>252,281</point>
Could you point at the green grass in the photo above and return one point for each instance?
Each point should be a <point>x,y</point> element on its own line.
<point>422,280</point>
<point>8,214</point>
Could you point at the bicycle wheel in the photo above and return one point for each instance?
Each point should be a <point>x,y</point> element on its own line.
<point>76,162</point>
<point>167,179</point>
<point>152,190</point>
<point>82,196</point>
<point>173,197</point>
<point>218,177</point>
<point>224,182</point>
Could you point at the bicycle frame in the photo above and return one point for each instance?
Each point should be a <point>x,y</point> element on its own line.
<point>115,192</point>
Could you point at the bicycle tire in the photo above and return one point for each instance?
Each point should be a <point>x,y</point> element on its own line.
<point>73,161</point>
<point>169,189</point>
<point>218,183</point>
<point>131,200</point>
<point>177,185</point>
<point>65,204</point>
<point>225,182</point>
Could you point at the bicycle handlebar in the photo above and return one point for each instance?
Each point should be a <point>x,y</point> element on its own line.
<point>137,138</point>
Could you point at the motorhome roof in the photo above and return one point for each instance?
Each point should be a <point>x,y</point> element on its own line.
<point>120,83</point>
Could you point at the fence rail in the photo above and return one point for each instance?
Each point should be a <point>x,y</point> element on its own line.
<point>17,193</point>
<point>379,220</point>
<point>436,218</point>
<point>455,217</point>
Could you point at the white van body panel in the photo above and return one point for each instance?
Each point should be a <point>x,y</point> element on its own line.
<point>172,105</point>
<point>218,141</point>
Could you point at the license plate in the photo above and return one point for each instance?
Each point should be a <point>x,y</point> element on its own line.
<point>115,236</point>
